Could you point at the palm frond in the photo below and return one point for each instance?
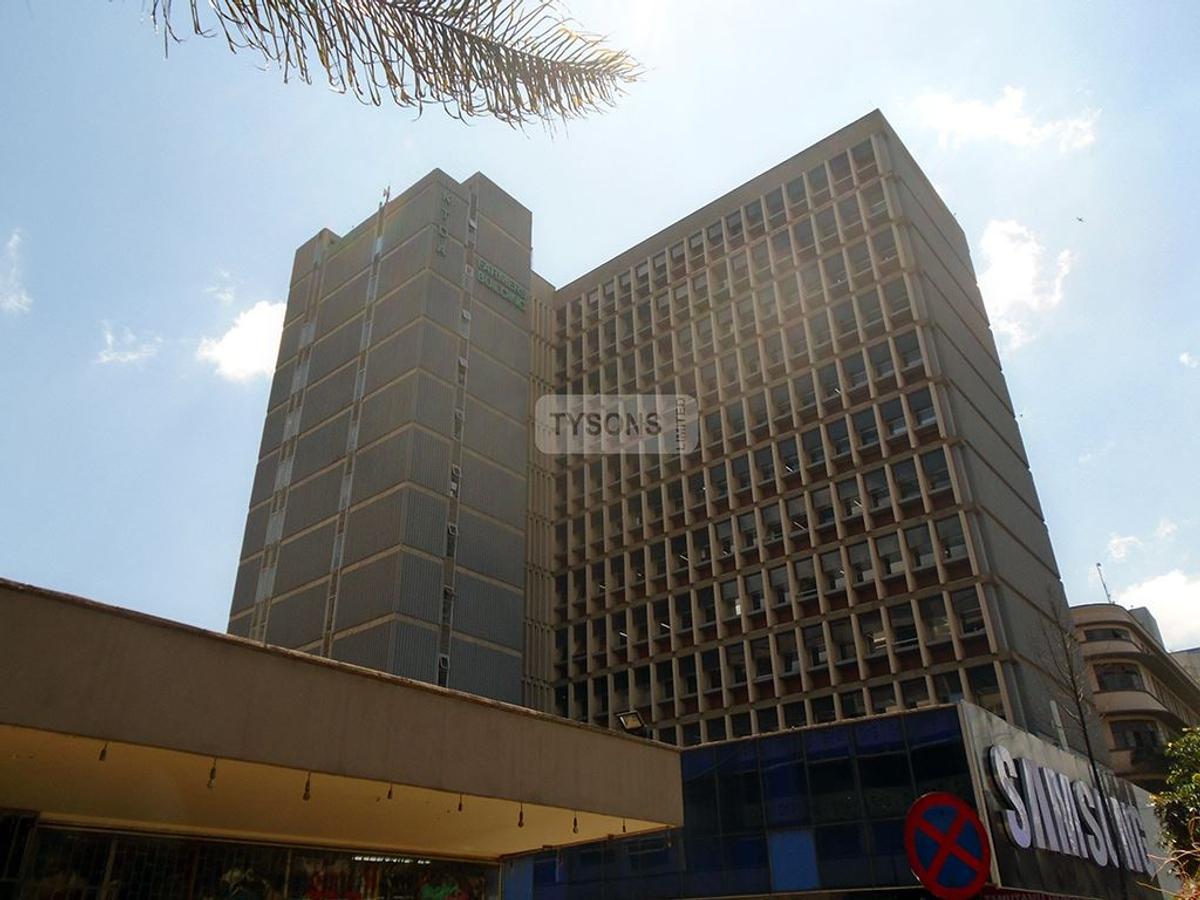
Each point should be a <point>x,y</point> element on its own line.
<point>513,61</point>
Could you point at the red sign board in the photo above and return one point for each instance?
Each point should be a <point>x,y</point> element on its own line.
<point>948,847</point>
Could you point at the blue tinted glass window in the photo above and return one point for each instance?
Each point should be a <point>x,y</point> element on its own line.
<point>842,856</point>
<point>546,869</point>
<point>696,763</point>
<point>887,784</point>
<point>942,768</point>
<point>879,736</point>
<point>827,743</point>
<point>793,861</point>
<point>739,790</point>
<point>700,806</point>
<point>785,782</point>
<point>935,727</point>
<point>891,858</point>
<point>746,868</point>
<point>703,864</point>
<point>834,792</point>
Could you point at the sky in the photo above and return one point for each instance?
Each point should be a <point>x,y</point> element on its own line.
<point>150,206</point>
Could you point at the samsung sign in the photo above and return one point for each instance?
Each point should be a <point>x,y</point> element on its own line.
<point>1046,810</point>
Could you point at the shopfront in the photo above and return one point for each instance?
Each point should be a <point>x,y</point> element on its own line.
<point>78,864</point>
<point>821,810</point>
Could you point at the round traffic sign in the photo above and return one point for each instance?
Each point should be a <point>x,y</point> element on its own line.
<point>947,847</point>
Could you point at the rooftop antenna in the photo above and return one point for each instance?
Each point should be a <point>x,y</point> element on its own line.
<point>1103,583</point>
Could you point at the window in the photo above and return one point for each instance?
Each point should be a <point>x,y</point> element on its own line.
<point>777,579</point>
<point>861,571</point>
<point>839,438</point>
<point>865,428</point>
<point>1106,634</point>
<point>890,559</point>
<point>831,569</point>
<point>985,688</point>
<point>1134,734</point>
<point>827,377</point>
<point>876,203</point>
<point>915,693</point>
<point>855,368</point>
<point>764,462</point>
<point>848,499</point>
<point>883,699</point>
<point>741,472</point>
<point>920,546</point>
<point>814,448</point>
<point>789,654</point>
<point>907,486</point>
<point>948,687</point>
<point>823,507</point>
<point>904,626</point>
<point>1119,677</point>
<point>878,494</point>
<point>874,638</point>
<point>748,530</point>
<point>894,423</point>
<point>881,360</point>
<point>908,346</point>
<point>864,159</point>
<point>921,404</point>
<point>797,518</point>
<point>806,579</point>
<point>718,478</point>
<point>797,196</point>
<point>967,611</point>
<point>937,622</point>
<point>936,469</point>
<point>950,534</point>
<point>818,185</point>
<point>814,646</point>
<point>884,245</point>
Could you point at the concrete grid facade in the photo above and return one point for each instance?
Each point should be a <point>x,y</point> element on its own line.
<point>858,533</point>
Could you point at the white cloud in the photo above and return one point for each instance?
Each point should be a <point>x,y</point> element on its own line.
<point>1119,545</point>
<point>225,288</point>
<point>1166,529</point>
<point>961,121</point>
<point>1189,360</point>
<point>1015,285</point>
<point>1173,598</point>
<point>1090,456</point>
<point>248,349</point>
<point>126,347</point>
<point>14,299</point>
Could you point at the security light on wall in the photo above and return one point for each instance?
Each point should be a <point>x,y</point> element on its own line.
<point>632,721</point>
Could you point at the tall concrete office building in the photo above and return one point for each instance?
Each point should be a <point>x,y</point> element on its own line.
<point>858,532</point>
<point>390,514</point>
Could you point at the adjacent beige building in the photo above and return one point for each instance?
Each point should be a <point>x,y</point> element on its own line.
<point>1190,660</point>
<point>1142,693</point>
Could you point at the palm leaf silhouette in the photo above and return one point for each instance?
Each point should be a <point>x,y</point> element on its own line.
<point>513,61</point>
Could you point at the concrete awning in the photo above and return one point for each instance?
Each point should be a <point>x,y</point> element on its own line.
<point>169,699</point>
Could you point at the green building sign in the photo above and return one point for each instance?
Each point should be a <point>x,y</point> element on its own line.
<point>501,283</point>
